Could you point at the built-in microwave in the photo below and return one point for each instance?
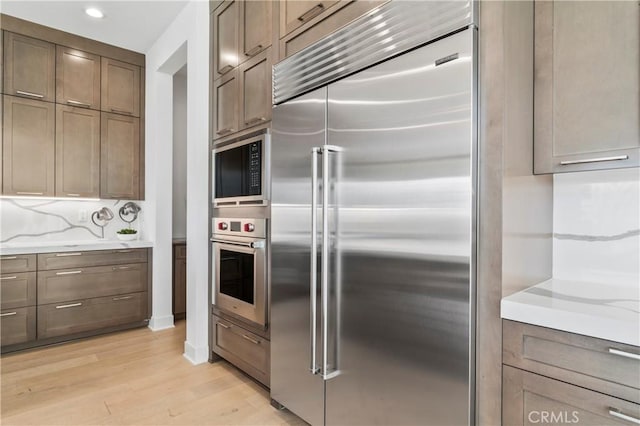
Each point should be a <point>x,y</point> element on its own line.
<point>240,175</point>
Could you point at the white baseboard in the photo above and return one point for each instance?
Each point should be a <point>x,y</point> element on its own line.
<point>161,323</point>
<point>196,355</point>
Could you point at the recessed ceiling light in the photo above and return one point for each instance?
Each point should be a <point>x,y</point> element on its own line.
<point>94,13</point>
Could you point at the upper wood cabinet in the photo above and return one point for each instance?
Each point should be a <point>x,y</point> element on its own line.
<point>255,27</point>
<point>255,90</point>
<point>295,13</point>
<point>29,67</point>
<point>120,87</point>
<point>225,38</point>
<point>77,78</point>
<point>120,156</point>
<point>225,105</point>
<point>77,152</point>
<point>587,85</point>
<point>28,147</point>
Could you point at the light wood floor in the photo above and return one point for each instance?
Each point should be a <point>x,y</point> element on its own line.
<point>136,377</point>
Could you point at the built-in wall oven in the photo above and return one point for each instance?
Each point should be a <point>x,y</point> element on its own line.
<point>240,263</point>
<point>240,172</point>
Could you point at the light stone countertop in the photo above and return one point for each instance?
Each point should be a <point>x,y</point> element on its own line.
<point>607,311</point>
<point>66,246</point>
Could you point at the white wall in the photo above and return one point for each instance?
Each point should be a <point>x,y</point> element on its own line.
<point>180,154</point>
<point>188,33</point>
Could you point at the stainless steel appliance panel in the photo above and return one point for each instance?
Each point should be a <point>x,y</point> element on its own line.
<point>298,126</point>
<point>400,239</point>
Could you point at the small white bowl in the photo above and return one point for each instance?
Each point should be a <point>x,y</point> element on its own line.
<point>127,237</point>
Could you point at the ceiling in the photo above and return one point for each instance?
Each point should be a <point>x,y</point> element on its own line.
<point>133,25</point>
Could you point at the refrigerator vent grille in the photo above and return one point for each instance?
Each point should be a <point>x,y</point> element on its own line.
<point>393,28</point>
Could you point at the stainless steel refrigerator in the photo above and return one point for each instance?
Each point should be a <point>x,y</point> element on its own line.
<point>372,243</point>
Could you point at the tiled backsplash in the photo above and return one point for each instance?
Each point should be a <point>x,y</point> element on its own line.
<point>596,224</point>
<point>25,220</point>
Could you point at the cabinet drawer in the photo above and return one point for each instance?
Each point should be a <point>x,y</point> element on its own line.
<point>181,251</point>
<point>85,283</point>
<point>18,263</point>
<point>601,365</point>
<point>81,259</point>
<point>243,348</point>
<point>17,325</point>
<point>530,399</point>
<point>60,319</point>
<point>17,290</point>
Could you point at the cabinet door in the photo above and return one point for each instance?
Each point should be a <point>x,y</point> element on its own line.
<point>120,89</point>
<point>17,290</point>
<point>225,111</point>
<point>28,147</point>
<point>77,78</point>
<point>225,38</point>
<point>77,152</point>
<point>255,90</point>
<point>29,67</point>
<point>294,13</point>
<point>587,85</point>
<point>18,325</point>
<point>530,399</point>
<point>120,154</point>
<point>255,27</point>
<point>180,286</point>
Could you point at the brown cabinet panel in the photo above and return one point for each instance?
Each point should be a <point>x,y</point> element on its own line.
<point>295,13</point>
<point>17,263</point>
<point>28,147</point>
<point>120,89</point>
<point>83,259</point>
<point>120,157</point>
<point>225,98</point>
<point>530,399</point>
<point>29,67</point>
<point>17,290</point>
<point>225,38</point>
<point>255,27</point>
<point>179,280</point>
<point>85,283</point>
<point>587,85</point>
<point>255,90</point>
<point>77,152</point>
<point>60,319</point>
<point>77,78</point>
<point>18,325</point>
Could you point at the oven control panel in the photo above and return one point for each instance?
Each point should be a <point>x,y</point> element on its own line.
<point>256,228</point>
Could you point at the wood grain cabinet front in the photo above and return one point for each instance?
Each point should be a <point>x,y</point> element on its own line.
<point>77,78</point>
<point>120,88</point>
<point>29,67</point>
<point>225,98</point>
<point>255,102</point>
<point>255,29</point>
<point>77,152</point>
<point>17,290</point>
<point>83,259</point>
<point>295,13</point>
<point>18,263</point>
<point>18,325</point>
<point>60,319</point>
<point>224,38</point>
<point>179,280</point>
<point>28,147</point>
<point>120,157</point>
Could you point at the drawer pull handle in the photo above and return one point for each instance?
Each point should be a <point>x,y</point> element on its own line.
<point>311,12</point>
<point>13,277</point>
<point>73,195</point>
<point>226,69</point>
<point>254,341</point>
<point>71,305</point>
<point>255,120</point>
<point>78,103</point>
<point>8,314</point>
<point>254,50</point>
<point>121,111</point>
<point>594,160</point>
<point>225,131</point>
<point>223,325</point>
<point>33,95</point>
<point>68,254</point>
<point>616,413</point>
<point>624,354</point>
<point>120,268</point>
<point>69,273</point>
<point>122,298</point>
<point>124,251</point>
<point>10,258</point>
<point>29,193</point>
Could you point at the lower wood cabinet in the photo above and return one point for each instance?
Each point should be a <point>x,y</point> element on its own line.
<point>61,319</point>
<point>18,263</point>
<point>81,259</point>
<point>17,325</point>
<point>179,280</point>
<point>17,290</point>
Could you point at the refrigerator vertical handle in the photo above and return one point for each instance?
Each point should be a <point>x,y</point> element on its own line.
<point>314,258</point>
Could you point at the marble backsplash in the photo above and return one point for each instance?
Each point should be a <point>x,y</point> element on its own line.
<point>596,224</point>
<point>27,220</point>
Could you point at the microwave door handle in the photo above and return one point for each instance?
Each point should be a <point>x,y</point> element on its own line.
<point>314,259</point>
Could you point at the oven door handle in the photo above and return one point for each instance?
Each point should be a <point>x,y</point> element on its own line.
<point>250,244</point>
